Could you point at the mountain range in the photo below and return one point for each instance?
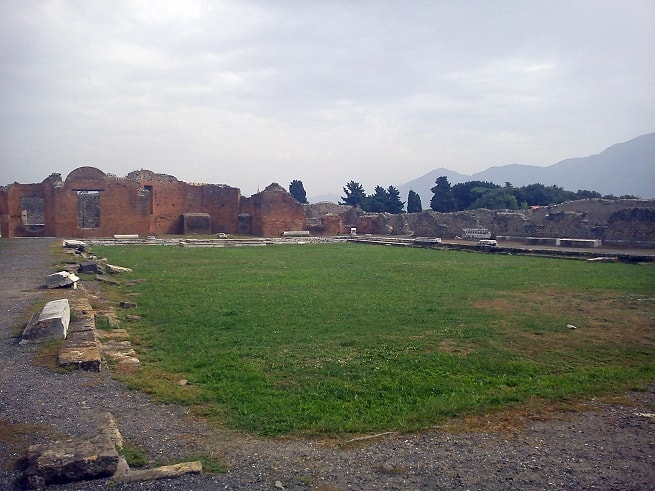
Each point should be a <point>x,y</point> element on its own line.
<point>626,168</point>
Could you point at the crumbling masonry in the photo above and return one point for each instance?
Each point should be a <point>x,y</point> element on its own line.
<point>90,203</point>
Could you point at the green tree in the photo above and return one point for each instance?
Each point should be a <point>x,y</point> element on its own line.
<point>394,205</point>
<point>465,193</point>
<point>377,202</point>
<point>442,199</point>
<point>354,195</point>
<point>496,199</point>
<point>414,202</point>
<point>297,190</point>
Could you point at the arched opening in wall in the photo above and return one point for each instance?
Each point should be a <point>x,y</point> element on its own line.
<point>88,209</point>
<point>33,213</point>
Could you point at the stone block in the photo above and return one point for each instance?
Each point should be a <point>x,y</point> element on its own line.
<point>61,279</point>
<point>88,267</point>
<point>51,323</point>
<point>70,461</point>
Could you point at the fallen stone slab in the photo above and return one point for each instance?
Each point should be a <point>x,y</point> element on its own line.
<point>163,472</point>
<point>70,461</point>
<point>602,259</point>
<point>112,269</point>
<point>61,279</point>
<point>74,244</point>
<point>51,323</point>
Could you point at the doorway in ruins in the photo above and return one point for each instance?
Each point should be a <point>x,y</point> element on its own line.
<point>33,214</point>
<point>88,209</point>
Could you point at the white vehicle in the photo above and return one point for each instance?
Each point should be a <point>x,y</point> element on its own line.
<point>487,242</point>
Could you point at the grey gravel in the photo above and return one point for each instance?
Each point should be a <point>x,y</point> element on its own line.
<point>607,446</point>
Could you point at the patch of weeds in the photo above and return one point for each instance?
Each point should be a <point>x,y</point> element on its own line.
<point>133,454</point>
<point>102,322</point>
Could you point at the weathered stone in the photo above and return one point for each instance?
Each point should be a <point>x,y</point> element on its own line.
<point>70,461</point>
<point>61,279</point>
<point>51,322</point>
<point>74,244</point>
<point>88,267</point>
<point>127,305</point>
<point>295,233</point>
<point>133,318</point>
<point>85,358</point>
<point>163,472</point>
<point>112,269</point>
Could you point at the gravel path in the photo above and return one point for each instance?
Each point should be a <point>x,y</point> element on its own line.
<point>606,446</point>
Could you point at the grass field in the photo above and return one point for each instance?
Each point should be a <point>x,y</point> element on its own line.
<point>350,338</point>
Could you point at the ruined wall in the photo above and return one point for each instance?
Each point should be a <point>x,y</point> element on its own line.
<point>274,211</point>
<point>627,220</point>
<point>90,203</point>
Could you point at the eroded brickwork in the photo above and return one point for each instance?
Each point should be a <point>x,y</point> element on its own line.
<point>90,203</point>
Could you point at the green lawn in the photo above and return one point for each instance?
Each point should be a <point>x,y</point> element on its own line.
<point>352,338</point>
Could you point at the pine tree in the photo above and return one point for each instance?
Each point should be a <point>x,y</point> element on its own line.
<point>355,194</point>
<point>443,199</point>
<point>414,202</point>
<point>297,190</point>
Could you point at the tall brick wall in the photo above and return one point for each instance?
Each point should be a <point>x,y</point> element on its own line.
<point>143,203</point>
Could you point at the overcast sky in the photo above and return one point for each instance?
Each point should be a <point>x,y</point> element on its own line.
<point>380,92</point>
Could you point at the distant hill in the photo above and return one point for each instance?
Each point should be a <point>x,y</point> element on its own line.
<point>624,168</point>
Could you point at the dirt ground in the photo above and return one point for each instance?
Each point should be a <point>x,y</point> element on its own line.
<point>594,444</point>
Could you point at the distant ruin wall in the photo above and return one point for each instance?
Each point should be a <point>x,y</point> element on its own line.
<point>625,220</point>
<point>630,220</point>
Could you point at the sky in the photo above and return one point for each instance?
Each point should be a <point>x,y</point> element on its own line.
<point>247,93</point>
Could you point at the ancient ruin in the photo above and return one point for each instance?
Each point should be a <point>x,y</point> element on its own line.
<point>90,203</point>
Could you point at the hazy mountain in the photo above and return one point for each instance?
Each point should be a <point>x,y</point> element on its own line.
<point>624,168</point>
<point>332,198</point>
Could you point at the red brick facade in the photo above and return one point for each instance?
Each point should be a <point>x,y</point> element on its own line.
<point>90,203</point>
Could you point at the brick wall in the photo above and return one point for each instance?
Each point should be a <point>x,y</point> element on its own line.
<point>143,203</point>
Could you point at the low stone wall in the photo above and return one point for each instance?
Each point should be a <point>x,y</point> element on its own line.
<point>592,219</point>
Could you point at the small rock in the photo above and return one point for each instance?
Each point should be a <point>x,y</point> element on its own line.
<point>127,305</point>
<point>571,326</point>
<point>278,485</point>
